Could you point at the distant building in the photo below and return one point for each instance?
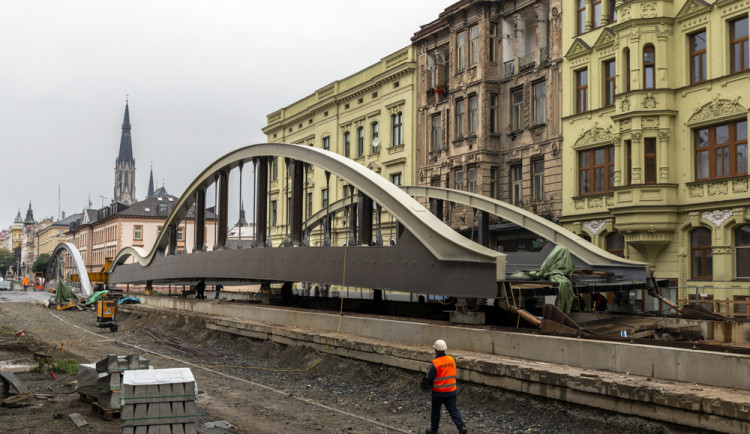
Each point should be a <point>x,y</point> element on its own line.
<point>102,233</point>
<point>125,165</point>
<point>368,117</point>
<point>242,233</point>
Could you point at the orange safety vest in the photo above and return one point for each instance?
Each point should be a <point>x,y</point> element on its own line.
<point>25,281</point>
<point>445,379</point>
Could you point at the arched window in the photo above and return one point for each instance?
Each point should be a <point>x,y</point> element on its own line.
<point>700,254</point>
<point>347,143</point>
<point>375,135</point>
<point>360,141</point>
<point>397,127</point>
<point>649,67</point>
<point>616,244</point>
<point>742,251</point>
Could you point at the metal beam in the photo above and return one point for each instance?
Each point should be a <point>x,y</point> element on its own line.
<point>297,202</point>
<point>200,220</point>
<point>261,201</point>
<point>223,218</point>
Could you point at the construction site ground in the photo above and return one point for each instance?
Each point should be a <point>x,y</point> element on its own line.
<point>266,387</point>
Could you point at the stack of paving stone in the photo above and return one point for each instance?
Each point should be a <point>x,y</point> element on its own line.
<point>109,385</point>
<point>159,401</point>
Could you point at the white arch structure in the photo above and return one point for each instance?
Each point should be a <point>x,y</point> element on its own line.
<point>75,255</point>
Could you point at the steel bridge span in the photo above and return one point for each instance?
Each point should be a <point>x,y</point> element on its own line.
<point>426,256</point>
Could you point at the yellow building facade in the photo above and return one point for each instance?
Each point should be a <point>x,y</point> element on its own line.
<point>655,109</point>
<point>368,117</point>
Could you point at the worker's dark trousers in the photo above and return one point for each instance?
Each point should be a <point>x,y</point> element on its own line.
<point>450,405</point>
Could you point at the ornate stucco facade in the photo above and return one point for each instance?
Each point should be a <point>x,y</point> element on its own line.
<point>655,107</point>
<point>369,117</point>
<point>488,104</point>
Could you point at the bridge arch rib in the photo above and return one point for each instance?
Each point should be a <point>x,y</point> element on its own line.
<point>80,266</point>
<point>430,257</point>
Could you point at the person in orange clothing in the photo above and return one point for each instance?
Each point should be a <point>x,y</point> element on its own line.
<point>25,282</point>
<point>441,378</point>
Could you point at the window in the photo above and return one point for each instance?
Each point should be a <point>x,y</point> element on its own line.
<point>360,141</point>
<point>627,69</point>
<point>516,109</point>
<point>473,115</point>
<point>612,16</point>
<point>649,67</point>
<point>540,103</point>
<point>596,170</point>
<point>649,160</point>
<point>459,184</point>
<point>460,118</point>
<point>582,91</point>
<point>629,150</point>
<point>610,74</point>
<point>493,113</point>
<point>397,129</point>
<point>274,168</point>
<point>493,42</point>
<point>537,180</point>
<point>616,244</point>
<point>698,57</point>
<point>461,51</point>
<point>324,198</point>
<point>516,184</point>
<point>327,143</point>
<point>309,205</point>
<point>437,133</point>
<point>472,184</point>
<point>721,151</point>
<point>273,213</point>
<point>581,16</point>
<point>347,143</point>
<point>742,251</point>
<point>700,254</point>
<point>493,182</point>
<point>396,179</point>
<point>180,234</point>
<point>473,45</point>
<point>374,129</point>
<point>138,232</point>
<point>597,6</point>
<point>738,39</point>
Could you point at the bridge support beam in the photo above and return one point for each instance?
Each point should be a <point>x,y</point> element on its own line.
<point>296,202</point>
<point>484,228</point>
<point>223,217</point>
<point>200,220</point>
<point>261,201</point>
<point>352,218</point>
<point>327,223</point>
<point>172,245</point>
<point>365,220</point>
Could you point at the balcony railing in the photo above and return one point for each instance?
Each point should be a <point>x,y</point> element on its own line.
<point>510,68</point>
<point>526,62</point>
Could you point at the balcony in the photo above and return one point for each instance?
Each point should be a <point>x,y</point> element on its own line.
<point>526,62</point>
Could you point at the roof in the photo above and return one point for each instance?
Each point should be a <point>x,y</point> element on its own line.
<point>126,145</point>
<point>156,206</point>
<point>68,220</point>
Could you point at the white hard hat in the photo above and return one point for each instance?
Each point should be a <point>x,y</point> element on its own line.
<point>440,345</point>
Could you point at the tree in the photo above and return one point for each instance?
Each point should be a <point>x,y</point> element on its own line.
<point>7,260</point>
<point>41,263</point>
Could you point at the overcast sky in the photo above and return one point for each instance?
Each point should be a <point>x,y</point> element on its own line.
<point>201,75</point>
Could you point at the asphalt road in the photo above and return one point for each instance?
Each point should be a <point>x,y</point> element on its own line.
<point>20,296</point>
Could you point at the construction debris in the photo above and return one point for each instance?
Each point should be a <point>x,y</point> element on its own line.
<point>101,382</point>
<point>159,335</point>
<point>159,400</point>
<point>78,419</point>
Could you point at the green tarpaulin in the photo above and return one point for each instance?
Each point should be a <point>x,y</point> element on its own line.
<point>97,295</point>
<point>63,293</point>
<point>557,268</point>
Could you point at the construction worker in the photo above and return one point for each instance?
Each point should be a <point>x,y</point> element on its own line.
<point>441,378</point>
<point>25,282</point>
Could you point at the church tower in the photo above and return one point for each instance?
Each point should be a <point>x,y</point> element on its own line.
<point>125,165</point>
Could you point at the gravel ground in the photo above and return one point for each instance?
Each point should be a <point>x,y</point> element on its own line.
<point>268,387</point>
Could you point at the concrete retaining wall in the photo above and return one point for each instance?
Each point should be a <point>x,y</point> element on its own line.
<point>702,367</point>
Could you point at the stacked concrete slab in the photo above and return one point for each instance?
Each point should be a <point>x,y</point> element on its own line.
<point>102,381</point>
<point>159,401</point>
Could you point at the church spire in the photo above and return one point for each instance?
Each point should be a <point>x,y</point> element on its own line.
<point>151,183</point>
<point>126,146</point>
<point>125,164</point>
